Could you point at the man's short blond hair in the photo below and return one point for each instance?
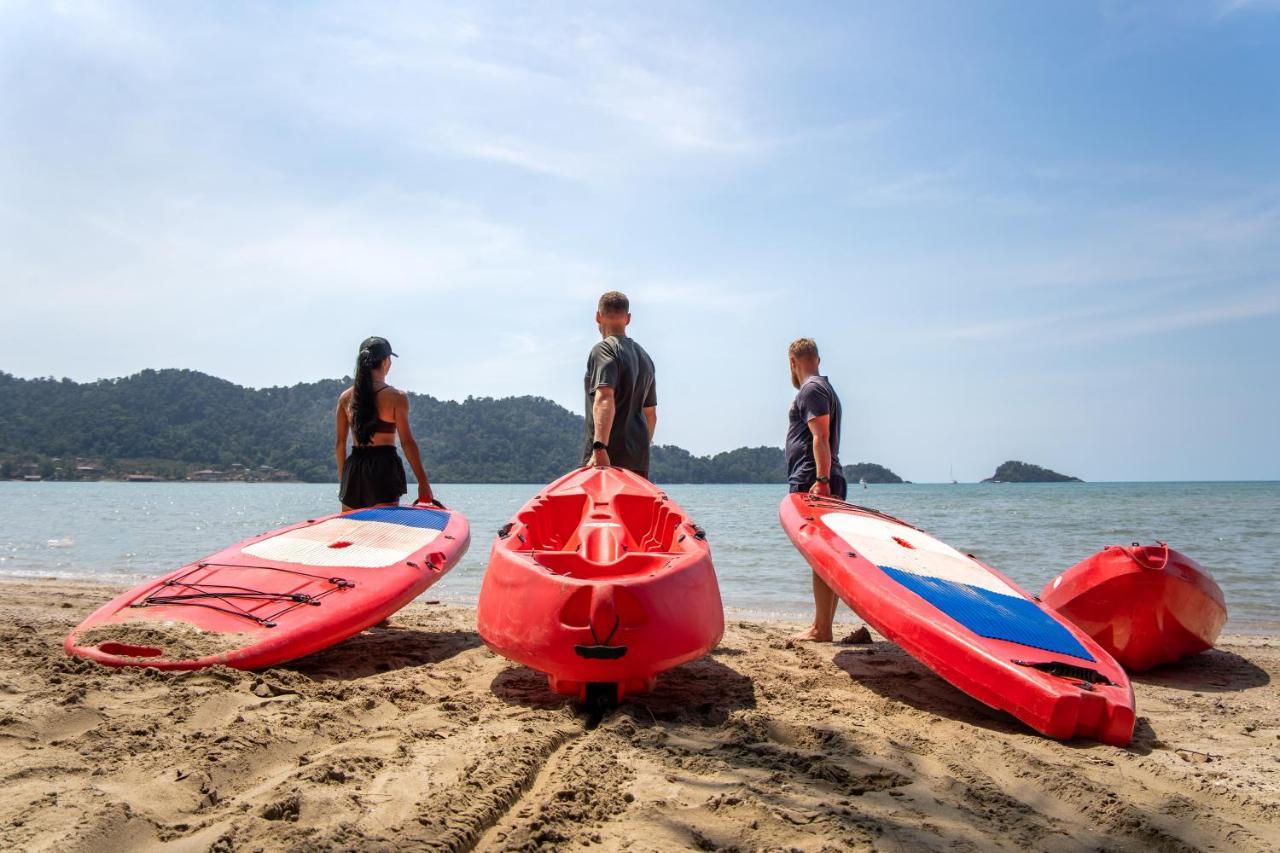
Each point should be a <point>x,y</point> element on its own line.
<point>614,303</point>
<point>803,348</point>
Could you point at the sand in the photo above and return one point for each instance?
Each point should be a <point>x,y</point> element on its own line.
<point>414,736</point>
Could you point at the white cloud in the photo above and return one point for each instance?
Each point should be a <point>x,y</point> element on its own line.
<point>1118,317</point>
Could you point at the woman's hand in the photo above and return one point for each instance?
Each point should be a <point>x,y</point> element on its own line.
<point>424,494</point>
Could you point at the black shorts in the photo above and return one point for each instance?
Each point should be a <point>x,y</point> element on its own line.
<point>839,488</point>
<point>372,475</point>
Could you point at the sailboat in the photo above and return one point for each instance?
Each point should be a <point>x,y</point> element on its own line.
<point>862,481</point>
<point>953,475</point>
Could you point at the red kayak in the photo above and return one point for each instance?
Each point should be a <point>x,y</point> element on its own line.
<point>1146,605</point>
<point>602,582</point>
<point>280,595</point>
<point>964,620</point>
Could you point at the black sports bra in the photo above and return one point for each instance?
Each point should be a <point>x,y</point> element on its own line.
<point>380,425</point>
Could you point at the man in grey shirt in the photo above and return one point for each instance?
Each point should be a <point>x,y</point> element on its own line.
<point>621,395</point>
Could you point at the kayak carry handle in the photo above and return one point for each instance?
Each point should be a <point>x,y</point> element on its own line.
<point>600,652</point>
<point>1133,552</point>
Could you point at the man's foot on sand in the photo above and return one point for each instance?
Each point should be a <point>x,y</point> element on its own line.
<point>813,635</point>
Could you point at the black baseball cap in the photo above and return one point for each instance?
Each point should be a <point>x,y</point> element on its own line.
<point>378,347</point>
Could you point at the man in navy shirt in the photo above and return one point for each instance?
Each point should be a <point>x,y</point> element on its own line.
<point>813,458</point>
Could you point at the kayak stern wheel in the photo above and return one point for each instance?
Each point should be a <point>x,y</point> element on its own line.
<point>600,697</point>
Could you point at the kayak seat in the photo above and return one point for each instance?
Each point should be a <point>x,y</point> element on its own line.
<point>573,564</point>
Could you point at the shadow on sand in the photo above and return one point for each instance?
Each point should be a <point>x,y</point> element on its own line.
<point>1214,671</point>
<point>384,649</point>
<point>892,673</point>
<point>703,693</point>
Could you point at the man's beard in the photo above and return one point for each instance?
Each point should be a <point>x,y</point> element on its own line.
<point>795,379</point>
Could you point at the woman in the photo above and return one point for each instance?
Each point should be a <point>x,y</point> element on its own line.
<point>374,413</point>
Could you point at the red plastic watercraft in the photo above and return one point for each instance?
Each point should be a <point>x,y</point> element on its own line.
<point>964,620</point>
<point>280,595</point>
<point>602,582</point>
<point>1146,604</point>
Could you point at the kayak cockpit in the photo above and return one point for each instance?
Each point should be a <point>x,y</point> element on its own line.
<point>576,534</point>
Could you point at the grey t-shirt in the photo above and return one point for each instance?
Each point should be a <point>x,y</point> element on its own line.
<point>623,365</point>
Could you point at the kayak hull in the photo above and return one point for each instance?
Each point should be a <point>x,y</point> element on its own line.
<point>1146,605</point>
<point>964,620</point>
<point>600,579</point>
<point>278,596</point>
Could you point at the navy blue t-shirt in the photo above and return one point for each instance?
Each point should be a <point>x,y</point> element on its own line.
<point>815,398</point>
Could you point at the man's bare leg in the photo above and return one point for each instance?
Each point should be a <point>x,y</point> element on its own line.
<point>824,613</point>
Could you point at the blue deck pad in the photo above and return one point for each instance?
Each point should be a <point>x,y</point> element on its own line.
<point>992,615</point>
<point>409,516</point>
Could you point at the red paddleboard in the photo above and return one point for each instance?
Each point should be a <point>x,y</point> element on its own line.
<point>964,620</point>
<point>280,595</point>
<point>1146,605</point>
<point>600,580</point>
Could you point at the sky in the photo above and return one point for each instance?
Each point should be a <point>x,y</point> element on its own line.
<point>1038,231</point>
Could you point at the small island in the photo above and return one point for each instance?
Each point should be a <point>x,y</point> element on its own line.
<point>871,472</point>
<point>1024,472</point>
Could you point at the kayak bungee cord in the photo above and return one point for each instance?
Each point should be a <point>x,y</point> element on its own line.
<point>226,592</point>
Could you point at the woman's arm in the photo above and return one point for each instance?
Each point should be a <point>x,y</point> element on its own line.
<point>410,447</point>
<point>341,427</point>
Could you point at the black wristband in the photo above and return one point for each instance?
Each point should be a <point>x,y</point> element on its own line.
<point>824,479</point>
<point>599,445</point>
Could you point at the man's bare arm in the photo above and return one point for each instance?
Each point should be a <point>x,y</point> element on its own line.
<point>820,428</point>
<point>603,409</point>
<point>651,418</point>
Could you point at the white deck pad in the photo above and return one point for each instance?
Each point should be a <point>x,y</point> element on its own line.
<point>373,544</point>
<point>874,538</point>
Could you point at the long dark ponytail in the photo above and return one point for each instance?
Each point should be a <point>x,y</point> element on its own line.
<point>364,398</point>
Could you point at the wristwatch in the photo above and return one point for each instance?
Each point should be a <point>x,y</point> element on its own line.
<point>599,445</point>
<point>824,479</point>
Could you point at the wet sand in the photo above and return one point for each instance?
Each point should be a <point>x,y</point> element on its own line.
<point>414,736</point>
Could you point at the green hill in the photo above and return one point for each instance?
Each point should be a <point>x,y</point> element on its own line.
<point>871,472</point>
<point>1024,472</point>
<point>172,423</point>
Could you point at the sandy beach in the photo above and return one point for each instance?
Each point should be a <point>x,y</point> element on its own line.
<point>415,736</point>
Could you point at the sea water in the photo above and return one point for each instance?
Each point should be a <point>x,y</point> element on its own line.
<point>126,532</point>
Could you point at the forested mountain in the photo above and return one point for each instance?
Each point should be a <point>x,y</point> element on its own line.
<point>871,472</point>
<point>175,422</point>
<point>1014,471</point>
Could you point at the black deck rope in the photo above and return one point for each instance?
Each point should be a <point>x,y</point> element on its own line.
<point>227,593</point>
